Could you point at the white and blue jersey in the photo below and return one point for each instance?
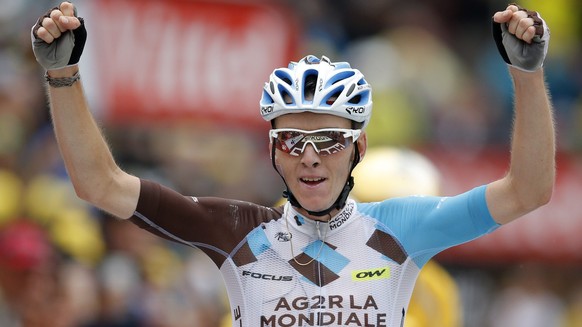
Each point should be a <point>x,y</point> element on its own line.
<point>282,269</point>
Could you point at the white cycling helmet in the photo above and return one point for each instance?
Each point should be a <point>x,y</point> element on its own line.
<point>319,86</point>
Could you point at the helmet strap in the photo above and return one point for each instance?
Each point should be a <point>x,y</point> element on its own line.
<point>339,203</point>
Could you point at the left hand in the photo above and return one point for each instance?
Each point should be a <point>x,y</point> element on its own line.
<point>522,37</point>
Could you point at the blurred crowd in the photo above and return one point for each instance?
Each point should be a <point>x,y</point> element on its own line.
<point>438,81</point>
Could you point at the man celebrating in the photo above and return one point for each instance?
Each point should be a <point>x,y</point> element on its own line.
<point>321,259</point>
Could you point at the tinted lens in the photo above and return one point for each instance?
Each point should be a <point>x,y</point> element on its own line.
<point>325,142</point>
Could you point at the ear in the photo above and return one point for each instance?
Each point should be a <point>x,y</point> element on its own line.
<point>362,145</point>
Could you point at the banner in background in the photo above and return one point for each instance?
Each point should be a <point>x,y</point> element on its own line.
<point>172,59</point>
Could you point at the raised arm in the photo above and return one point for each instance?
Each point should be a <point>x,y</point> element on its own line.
<point>89,162</point>
<point>529,182</point>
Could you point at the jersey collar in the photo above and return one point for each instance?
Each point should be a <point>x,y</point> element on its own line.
<point>308,226</point>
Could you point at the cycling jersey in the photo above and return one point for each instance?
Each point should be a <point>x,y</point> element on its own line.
<point>282,269</point>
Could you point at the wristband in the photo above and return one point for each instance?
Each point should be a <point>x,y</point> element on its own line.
<point>62,81</point>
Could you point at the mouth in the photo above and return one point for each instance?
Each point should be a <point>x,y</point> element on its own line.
<point>312,181</point>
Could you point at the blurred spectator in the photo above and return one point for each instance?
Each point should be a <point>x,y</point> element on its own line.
<point>573,313</point>
<point>31,292</point>
<point>527,300</point>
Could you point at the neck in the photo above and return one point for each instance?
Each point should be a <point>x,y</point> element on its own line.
<point>324,218</point>
<point>334,220</point>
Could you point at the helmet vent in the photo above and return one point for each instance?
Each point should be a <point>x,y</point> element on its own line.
<point>287,98</point>
<point>356,99</point>
<point>331,99</point>
<point>350,90</point>
<point>341,76</point>
<point>266,99</point>
<point>309,86</point>
<point>284,76</point>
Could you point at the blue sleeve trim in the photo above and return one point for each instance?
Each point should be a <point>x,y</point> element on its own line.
<point>480,209</point>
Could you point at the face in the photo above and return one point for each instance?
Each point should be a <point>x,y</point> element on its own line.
<point>316,180</point>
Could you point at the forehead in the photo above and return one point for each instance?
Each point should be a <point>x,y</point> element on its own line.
<point>311,121</point>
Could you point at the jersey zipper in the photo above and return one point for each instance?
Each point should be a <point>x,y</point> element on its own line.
<point>320,275</point>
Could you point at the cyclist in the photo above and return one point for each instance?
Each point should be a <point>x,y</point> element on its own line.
<point>321,259</point>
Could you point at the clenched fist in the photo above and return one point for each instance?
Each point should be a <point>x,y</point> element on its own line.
<point>58,37</point>
<point>522,37</point>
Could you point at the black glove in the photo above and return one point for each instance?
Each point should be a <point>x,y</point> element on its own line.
<point>64,51</point>
<point>518,53</point>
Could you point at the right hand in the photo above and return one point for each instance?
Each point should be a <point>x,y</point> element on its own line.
<point>58,37</point>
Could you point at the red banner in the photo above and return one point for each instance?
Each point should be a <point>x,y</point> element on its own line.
<point>175,59</point>
<point>550,234</point>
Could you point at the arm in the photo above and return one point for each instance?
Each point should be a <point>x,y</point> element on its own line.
<point>530,180</point>
<point>90,165</point>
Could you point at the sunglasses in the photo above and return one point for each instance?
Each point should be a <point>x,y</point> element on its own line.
<point>325,141</point>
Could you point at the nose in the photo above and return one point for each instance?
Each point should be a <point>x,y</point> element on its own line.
<point>310,157</point>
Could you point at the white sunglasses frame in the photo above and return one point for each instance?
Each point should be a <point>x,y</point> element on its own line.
<point>353,133</point>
